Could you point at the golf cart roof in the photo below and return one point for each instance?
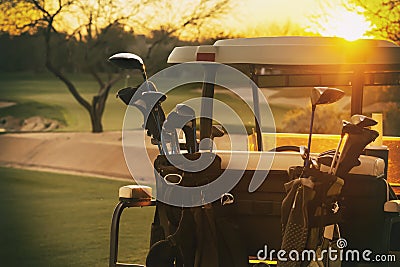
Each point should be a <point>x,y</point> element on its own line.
<point>291,50</point>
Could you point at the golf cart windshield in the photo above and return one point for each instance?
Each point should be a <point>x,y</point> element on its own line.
<point>287,68</point>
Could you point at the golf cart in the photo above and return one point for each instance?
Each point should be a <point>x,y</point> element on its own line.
<point>285,197</point>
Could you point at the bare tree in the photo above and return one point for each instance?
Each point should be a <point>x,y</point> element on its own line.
<point>185,21</point>
<point>88,23</point>
<point>51,19</point>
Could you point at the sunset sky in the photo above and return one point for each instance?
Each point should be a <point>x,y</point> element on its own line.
<point>250,18</point>
<point>335,19</point>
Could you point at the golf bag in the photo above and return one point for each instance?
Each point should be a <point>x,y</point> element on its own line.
<point>197,236</point>
<point>309,217</point>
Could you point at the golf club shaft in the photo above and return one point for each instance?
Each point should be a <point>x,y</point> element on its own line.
<point>307,161</point>
<point>336,153</point>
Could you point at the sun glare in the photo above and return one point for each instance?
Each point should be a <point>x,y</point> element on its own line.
<point>340,22</point>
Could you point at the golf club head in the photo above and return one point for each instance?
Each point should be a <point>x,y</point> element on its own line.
<point>126,94</point>
<point>129,94</point>
<point>304,152</point>
<point>175,121</point>
<point>325,95</point>
<point>349,128</point>
<point>183,109</point>
<point>148,103</point>
<point>362,121</point>
<point>352,149</point>
<point>127,61</point>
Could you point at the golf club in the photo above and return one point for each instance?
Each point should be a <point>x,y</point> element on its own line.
<point>143,99</point>
<point>320,96</point>
<point>174,121</point>
<point>129,61</point>
<point>355,126</point>
<point>362,121</point>
<point>189,128</point>
<point>216,131</point>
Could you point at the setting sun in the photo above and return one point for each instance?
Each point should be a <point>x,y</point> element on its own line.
<point>340,22</point>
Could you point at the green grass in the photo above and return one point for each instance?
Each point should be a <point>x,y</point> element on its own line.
<point>52,219</point>
<point>44,90</point>
<point>29,108</point>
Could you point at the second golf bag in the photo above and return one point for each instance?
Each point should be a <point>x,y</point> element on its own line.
<point>310,211</point>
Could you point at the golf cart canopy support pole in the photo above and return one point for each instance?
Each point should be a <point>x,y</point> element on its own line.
<point>207,106</point>
<point>357,90</point>
<point>256,106</point>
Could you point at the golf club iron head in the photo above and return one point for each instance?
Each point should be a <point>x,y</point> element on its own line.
<point>175,121</point>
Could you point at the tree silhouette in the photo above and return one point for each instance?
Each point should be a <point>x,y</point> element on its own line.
<point>87,32</point>
<point>384,15</point>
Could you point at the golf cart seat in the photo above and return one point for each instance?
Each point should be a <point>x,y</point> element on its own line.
<point>370,166</point>
<point>135,192</point>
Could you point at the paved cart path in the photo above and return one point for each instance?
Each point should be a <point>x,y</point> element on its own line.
<point>84,153</point>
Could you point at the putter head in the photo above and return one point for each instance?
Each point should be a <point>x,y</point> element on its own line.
<point>325,95</point>
<point>127,61</point>
<point>362,121</point>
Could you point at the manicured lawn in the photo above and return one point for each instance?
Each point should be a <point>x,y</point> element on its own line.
<point>44,95</point>
<point>52,219</point>
<point>38,93</point>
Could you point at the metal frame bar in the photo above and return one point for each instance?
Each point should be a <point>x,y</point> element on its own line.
<point>114,234</point>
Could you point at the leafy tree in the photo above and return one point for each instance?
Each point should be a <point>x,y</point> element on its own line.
<point>384,15</point>
<point>327,120</point>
